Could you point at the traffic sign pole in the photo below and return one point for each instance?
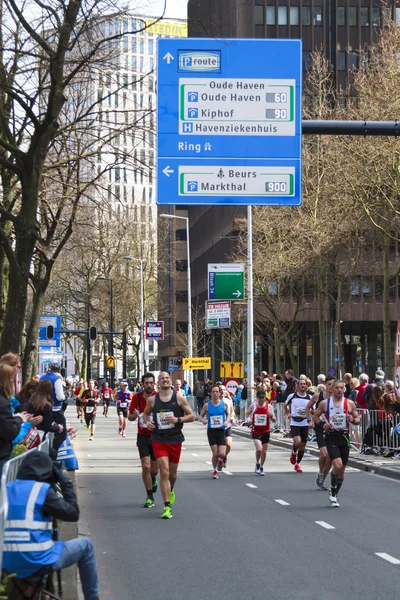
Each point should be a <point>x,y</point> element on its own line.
<point>250,311</point>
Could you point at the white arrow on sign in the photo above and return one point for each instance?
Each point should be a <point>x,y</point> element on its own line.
<point>237,294</point>
<point>168,57</point>
<point>168,171</point>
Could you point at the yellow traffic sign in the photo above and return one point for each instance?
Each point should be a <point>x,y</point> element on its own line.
<point>231,369</point>
<point>110,362</point>
<point>196,364</point>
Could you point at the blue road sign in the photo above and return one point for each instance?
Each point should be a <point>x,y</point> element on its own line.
<point>229,121</point>
<point>55,321</point>
<point>171,368</point>
<point>246,369</point>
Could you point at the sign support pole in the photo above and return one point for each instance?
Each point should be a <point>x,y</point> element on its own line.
<point>250,311</point>
<point>189,289</point>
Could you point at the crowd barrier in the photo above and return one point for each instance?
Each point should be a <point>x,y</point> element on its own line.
<point>10,471</point>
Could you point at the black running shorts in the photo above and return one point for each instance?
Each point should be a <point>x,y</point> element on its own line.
<point>216,437</point>
<point>228,431</point>
<point>337,447</point>
<point>301,432</point>
<point>145,447</point>
<point>78,403</point>
<point>122,412</point>
<point>90,418</point>
<point>320,435</point>
<point>263,437</point>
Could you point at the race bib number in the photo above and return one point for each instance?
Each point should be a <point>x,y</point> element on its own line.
<point>339,421</point>
<point>301,412</point>
<point>260,420</point>
<point>123,405</point>
<point>106,395</point>
<point>89,409</point>
<point>216,421</point>
<point>162,420</point>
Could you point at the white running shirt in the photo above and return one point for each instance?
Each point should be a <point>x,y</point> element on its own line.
<point>298,409</point>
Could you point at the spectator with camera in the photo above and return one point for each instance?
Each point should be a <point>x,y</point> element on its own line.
<point>41,494</point>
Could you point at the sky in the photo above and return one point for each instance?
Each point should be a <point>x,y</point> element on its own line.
<point>175,8</point>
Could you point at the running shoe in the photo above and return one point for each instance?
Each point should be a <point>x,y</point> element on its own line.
<point>167,514</point>
<point>123,434</point>
<point>87,427</point>
<point>298,468</point>
<point>333,501</point>
<point>323,487</point>
<point>155,487</point>
<point>149,503</point>
<point>261,472</point>
<point>225,462</point>
<point>293,457</point>
<point>257,469</point>
<point>172,497</point>
<point>215,475</point>
<point>119,430</point>
<point>319,482</point>
<point>220,464</point>
<point>91,438</point>
<point>81,421</point>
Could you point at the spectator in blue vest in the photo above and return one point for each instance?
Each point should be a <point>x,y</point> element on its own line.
<point>186,389</point>
<point>33,503</point>
<point>58,396</point>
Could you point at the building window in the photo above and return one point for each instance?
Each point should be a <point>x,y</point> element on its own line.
<point>306,15</point>
<point>355,286</point>
<point>270,15</point>
<point>353,16</point>
<point>181,327</point>
<point>294,15</point>
<point>151,47</point>
<point>151,84</point>
<point>126,44</point>
<point>181,265</point>
<point>151,63</point>
<point>134,63</point>
<point>282,15</point>
<point>134,44</point>
<point>364,17</point>
<point>181,296</point>
<point>353,61</point>
<point>134,82</point>
<point>375,17</point>
<point>306,60</point>
<point>141,46</point>
<point>141,64</point>
<point>341,16</point>
<point>341,61</point>
<point>259,15</point>
<point>181,235</point>
<point>397,16</point>
<point>317,15</point>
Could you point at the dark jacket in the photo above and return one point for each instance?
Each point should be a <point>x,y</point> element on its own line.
<point>290,387</point>
<point>48,421</point>
<point>38,466</point>
<point>9,427</point>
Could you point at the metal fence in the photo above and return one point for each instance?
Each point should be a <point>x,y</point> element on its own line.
<point>10,471</point>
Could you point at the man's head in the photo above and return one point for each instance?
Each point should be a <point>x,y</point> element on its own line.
<point>124,386</point>
<point>363,378</point>
<point>148,383</point>
<point>222,391</point>
<point>106,384</point>
<point>302,384</point>
<point>289,374</point>
<point>347,377</point>
<point>379,375</point>
<point>178,385</point>
<point>321,378</point>
<point>328,383</point>
<point>37,466</point>
<point>164,381</point>
<point>215,393</point>
<point>55,365</point>
<point>337,388</point>
<point>261,399</point>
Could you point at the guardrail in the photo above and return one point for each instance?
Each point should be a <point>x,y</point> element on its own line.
<point>10,471</point>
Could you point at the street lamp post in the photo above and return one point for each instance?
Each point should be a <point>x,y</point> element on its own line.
<point>142,351</point>
<point>111,340</point>
<point>189,289</point>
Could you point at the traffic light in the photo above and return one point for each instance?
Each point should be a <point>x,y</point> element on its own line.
<point>50,332</point>
<point>93,333</point>
<point>178,362</point>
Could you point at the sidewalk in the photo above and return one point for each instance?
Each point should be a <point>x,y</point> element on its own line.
<point>369,463</point>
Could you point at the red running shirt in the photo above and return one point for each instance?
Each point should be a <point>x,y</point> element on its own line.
<point>260,420</point>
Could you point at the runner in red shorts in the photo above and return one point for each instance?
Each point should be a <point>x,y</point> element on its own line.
<point>170,411</point>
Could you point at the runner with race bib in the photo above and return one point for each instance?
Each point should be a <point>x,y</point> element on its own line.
<point>90,399</point>
<point>217,411</point>
<point>123,401</point>
<point>261,414</point>
<point>295,406</point>
<point>106,397</point>
<point>339,413</point>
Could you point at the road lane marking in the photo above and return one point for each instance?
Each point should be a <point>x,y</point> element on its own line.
<point>194,454</point>
<point>250,485</point>
<point>282,502</point>
<point>387,557</point>
<point>208,462</point>
<point>325,525</point>
<point>183,448</point>
<point>227,472</point>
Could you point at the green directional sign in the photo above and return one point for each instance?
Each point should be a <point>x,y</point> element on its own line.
<point>226,281</point>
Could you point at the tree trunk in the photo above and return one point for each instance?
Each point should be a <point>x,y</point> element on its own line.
<point>387,346</point>
<point>339,353</point>
<point>84,363</point>
<point>277,350</point>
<point>4,278</point>
<point>321,323</point>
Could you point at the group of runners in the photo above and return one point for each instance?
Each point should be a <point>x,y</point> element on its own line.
<point>161,415</point>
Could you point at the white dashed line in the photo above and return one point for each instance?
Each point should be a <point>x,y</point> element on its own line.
<point>227,472</point>
<point>325,525</point>
<point>208,462</point>
<point>194,454</point>
<point>282,502</point>
<point>183,448</point>
<point>250,485</point>
<point>387,557</point>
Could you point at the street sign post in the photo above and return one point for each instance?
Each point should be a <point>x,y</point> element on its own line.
<point>229,121</point>
<point>55,322</point>
<point>196,364</point>
<point>154,330</point>
<point>218,315</point>
<point>226,281</point>
<point>231,369</point>
<point>231,386</point>
<point>110,360</point>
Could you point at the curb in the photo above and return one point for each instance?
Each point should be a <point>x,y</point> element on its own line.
<point>361,465</point>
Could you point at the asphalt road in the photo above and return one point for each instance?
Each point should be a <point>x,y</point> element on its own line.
<point>243,536</point>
